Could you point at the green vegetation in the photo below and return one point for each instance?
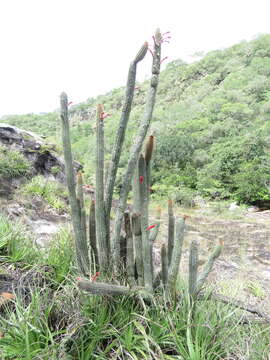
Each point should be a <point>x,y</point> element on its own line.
<point>49,190</point>
<point>210,121</point>
<point>13,163</point>
<point>64,326</point>
<point>15,243</point>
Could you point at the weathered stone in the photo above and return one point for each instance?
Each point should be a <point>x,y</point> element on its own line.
<point>42,156</point>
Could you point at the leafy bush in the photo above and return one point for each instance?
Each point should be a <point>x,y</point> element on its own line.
<point>13,163</point>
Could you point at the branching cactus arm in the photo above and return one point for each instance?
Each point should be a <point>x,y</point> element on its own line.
<point>208,267</point>
<point>120,136</point>
<point>136,149</point>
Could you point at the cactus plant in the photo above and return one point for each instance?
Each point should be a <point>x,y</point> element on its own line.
<point>135,248</point>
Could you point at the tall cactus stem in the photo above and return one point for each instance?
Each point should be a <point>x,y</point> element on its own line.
<point>147,248</point>
<point>81,205</point>
<point>208,267</point>
<point>120,136</point>
<point>101,227</point>
<point>149,147</point>
<point>171,229</point>
<point>164,265</point>
<point>80,244</point>
<point>136,229</point>
<point>92,235</point>
<point>137,146</point>
<point>130,251</point>
<point>154,233</point>
<point>193,269</point>
<point>176,254</point>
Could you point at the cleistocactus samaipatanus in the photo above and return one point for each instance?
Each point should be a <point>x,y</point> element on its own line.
<point>129,244</point>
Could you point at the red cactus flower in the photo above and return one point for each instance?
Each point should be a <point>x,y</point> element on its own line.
<point>104,115</point>
<point>151,227</point>
<point>95,276</point>
<point>141,179</point>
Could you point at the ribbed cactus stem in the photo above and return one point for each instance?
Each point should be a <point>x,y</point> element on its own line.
<point>120,136</point>
<point>148,156</point>
<point>149,147</point>
<point>80,199</point>
<point>147,248</point>
<point>154,232</point>
<point>136,191</point>
<point>130,251</point>
<point>171,229</point>
<point>164,265</point>
<point>123,251</point>
<point>193,269</point>
<point>101,228</point>
<point>137,232</point>
<point>208,267</point>
<point>137,146</point>
<point>141,53</point>
<point>97,288</point>
<point>92,235</point>
<point>80,244</point>
<point>176,254</point>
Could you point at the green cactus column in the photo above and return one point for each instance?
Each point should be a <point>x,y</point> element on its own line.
<point>176,254</point>
<point>137,231</point>
<point>80,243</point>
<point>92,236</point>
<point>137,146</point>
<point>101,233</point>
<point>120,136</point>
<point>171,226</point>
<point>146,245</point>
<point>193,269</point>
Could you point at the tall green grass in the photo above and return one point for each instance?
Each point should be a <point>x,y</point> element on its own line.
<point>16,244</point>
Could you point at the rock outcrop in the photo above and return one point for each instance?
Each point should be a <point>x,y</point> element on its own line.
<point>43,156</point>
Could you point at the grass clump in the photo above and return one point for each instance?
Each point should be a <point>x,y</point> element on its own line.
<point>13,163</point>
<point>60,254</point>
<point>15,242</point>
<point>48,190</point>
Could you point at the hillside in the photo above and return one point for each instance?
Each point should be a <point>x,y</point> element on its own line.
<point>210,122</point>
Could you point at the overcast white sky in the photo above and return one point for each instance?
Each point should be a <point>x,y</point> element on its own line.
<point>84,47</point>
